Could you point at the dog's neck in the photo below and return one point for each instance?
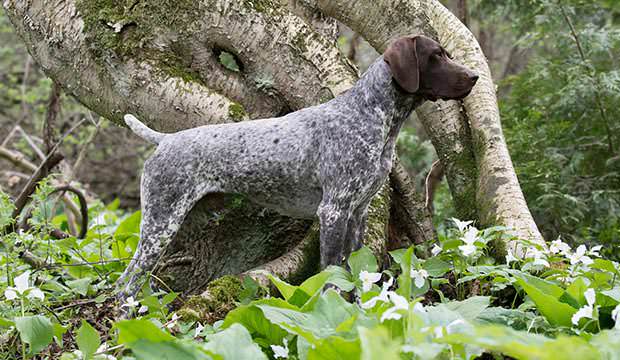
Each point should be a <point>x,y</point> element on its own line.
<point>379,92</point>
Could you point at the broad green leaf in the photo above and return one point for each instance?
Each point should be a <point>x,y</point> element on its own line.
<point>234,343</point>
<point>80,286</point>
<point>149,350</point>
<point>523,345</point>
<point>59,331</point>
<point>140,329</point>
<point>376,344</point>
<point>544,286</point>
<point>37,331</point>
<point>253,319</point>
<point>362,259</point>
<point>436,267</point>
<point>287,290</point>
<point>577,289</point>
<point>556,312</point>
<point>335,348</point>
<point>87,340</point>
<point>469,309</point>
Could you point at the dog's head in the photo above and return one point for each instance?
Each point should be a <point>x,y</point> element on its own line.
<point>421,66</point>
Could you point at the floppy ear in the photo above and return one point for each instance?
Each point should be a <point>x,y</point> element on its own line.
<point>403,60</point>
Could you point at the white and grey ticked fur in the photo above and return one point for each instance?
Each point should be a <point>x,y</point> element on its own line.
<point>327,160</point>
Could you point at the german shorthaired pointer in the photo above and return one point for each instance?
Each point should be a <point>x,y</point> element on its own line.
<point>326,160</point>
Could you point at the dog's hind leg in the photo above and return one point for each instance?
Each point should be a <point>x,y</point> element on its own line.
<point>162,215</point>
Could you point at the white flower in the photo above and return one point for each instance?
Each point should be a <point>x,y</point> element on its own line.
<point>368,279</point>
<point>538,257</point>
<point>615,316</point>
<point>469,239</point>
<point>419,277</point>
<point>559,246</point>
<point>435,250</point>
<point>199,329</point>
<point>451,328</point>
<point>590,296</point>
<point>143,309</point>
<point>595,250</point>
<point>383,296</point>
<point>580,256</point>
<point>586,310</point>
<point>510,257</point>
<point>418,307</point>
<point>280,351</point>
<point>22,287</point>
<point>400,303</point>
<point>461,225</point>
<point>130,303</point>
<point>173,321</point>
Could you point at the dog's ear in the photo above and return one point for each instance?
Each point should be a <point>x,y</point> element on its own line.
<point>402,57</point>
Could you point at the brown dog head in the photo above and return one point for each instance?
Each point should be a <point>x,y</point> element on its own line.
<point>420,65</point>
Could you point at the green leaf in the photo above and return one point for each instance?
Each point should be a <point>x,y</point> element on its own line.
<point>253,319</point>
<point>287,290</point>
<point>229,62</point>
<point>80,286</point>
<point>149,350</point>
<point>362,259</point>
<point>436,267</point>
<point>140,329</point>
<point>335,348</point>
<point>37,331</point>
<point>376,344</point>
<point>87,340</point>
<point>234,343</point>
<point>469,309</point>
<point>556,312</point>
<point>577,289</point>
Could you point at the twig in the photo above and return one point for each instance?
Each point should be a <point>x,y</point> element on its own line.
<point>17,158</point>
<point>50,161</point>
<point>52,112</point>
<point>592,70</point>
<point>30,142</point>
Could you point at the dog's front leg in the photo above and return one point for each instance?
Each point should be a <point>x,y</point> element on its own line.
<point>333,219</point>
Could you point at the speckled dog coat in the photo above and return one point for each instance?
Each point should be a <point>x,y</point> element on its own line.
<point>327,160</point>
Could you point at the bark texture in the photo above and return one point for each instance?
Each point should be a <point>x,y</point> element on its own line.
<point>498,196</point>
<point>163,62</point>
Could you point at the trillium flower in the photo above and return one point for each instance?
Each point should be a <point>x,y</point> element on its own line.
<point>368,279</point>
<point>559,246</point>
<point>595,251</point>
<point>538,256</point>
<point>172,323</point>
<point>435,250</point>
<point>383,296</point>
<point>585,311</point>
<point>469,239</point>
<point>615,315</point>
<point>130,303</point>
<point>461,225</point>
<point>199,329</point>
<point>143,309</point>
<point>22,288</point>
<point>419,277</point>
<point>580,256</point>
<point>510,257</point>
<point>280,351</point>
<point>400,303</point>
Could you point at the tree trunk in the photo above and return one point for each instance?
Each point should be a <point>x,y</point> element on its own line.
<point>163,62</point>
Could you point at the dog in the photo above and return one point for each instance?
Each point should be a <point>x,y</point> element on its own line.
<point>327,160</point>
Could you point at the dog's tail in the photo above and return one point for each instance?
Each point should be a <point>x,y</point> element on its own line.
<point>142,130</point>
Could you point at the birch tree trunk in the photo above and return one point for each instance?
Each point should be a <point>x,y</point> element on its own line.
<point>162,61</point>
